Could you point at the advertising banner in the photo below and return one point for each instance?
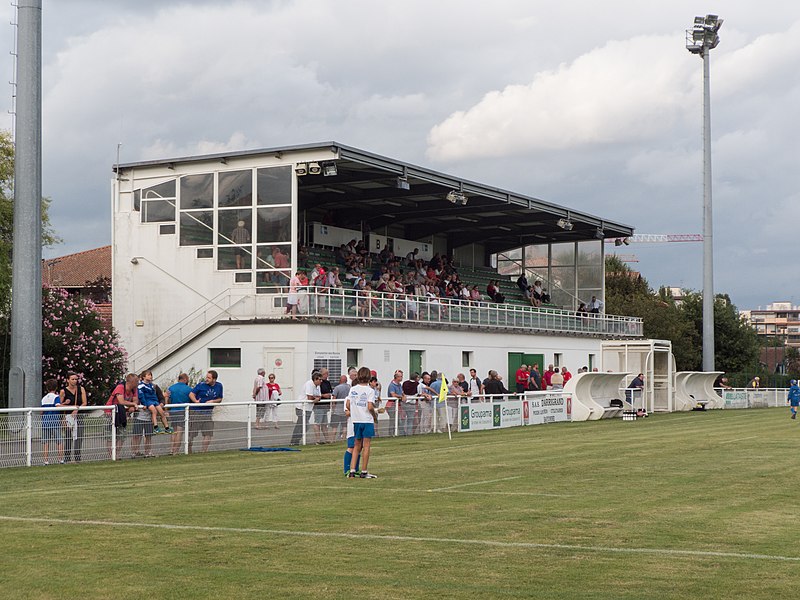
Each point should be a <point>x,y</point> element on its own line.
<point>548,408</point>
<point>494,415</point>
<point>735,398</point>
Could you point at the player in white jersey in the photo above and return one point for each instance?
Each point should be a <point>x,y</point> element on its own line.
<point>360,405</point>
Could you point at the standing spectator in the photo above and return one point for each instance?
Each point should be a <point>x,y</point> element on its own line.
<point>556,380</point>
<point>322,407</point>
<point>274,396</point>
<point>547,377</point>
<point>408,409</point>
<point>51,422</point>
<point>260,394</point>
<point>493,386</point>
<point>521,379</point>
<point>309,396</point>
<point>635,388</point>
<point>396,397</point>
<point>360,404</point>
<point>424,396</point>
<point>755,383</point>
<point>240,236</point>
<point>595,305</point>
<point>293,299</point>
<point>142,428</point>
<point>566,375</point>
<point>125,395</point>
<point>338,417</point>
<point>475,386</point>
<point>206,392</point>
<point>178,393</point>
<point>73,394</point>
<point>440,407</point>
<point>536,378</point>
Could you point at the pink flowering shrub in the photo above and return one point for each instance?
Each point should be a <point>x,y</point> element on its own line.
<point>75,339</point>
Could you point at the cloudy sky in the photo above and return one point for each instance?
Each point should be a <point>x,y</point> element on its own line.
<point>591,105</point>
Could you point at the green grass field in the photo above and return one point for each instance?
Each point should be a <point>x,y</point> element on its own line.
<point>692,505</point>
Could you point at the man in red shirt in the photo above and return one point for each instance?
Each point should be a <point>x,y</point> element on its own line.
<point>521,378</point>
<point>546,377</point>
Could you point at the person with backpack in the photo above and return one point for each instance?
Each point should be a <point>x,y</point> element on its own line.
<point>125,398</point>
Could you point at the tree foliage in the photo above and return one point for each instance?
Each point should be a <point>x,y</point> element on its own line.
<point>49,238</point>
<point>75,339</point>
<point>736,344</point>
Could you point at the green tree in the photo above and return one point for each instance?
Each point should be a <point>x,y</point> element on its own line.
<point>75,339</point>
<point>49,238</point>
<point>736,345</point>
<point>628,293</point>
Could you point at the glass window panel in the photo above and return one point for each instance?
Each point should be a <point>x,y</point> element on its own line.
<point>590,277</point>
<point>590,253</point>
<point>235,226</point>
<point>197,191</point>
<point>273,257</point>
<point>166,229</point>
<point>274,185</point>
<point>274,224</point>
<point>564,254</point>
<point>271,279</point>
<point>236,188</point>
<point>509,267</point>
<point>585,294</point>
<point>197,228</point>
<point>162,190</point>
<point>158,211</point>
<point>243,277</point>
<point>205,253</point>
<point>234,257</point>
<point>137,200</point>
<point>225,357</point>
<point>563,278</point>
<point>536,256</point>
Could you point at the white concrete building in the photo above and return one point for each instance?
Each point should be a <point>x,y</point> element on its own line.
<point>203,247</point>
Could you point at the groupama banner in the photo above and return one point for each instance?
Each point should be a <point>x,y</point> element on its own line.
<point>533,410</point>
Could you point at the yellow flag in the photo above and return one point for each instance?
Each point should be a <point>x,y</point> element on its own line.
<point>443,390</point>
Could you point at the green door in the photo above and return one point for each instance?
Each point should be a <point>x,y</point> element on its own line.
<point>415,361</point>
<point>515,359</point>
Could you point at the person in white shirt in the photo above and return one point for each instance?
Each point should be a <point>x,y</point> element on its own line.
<point>595,305</point>
<point>310,395</point>
<point>360,407</point>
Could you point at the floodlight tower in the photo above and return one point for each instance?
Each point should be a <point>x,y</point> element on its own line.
<point>700,39</point>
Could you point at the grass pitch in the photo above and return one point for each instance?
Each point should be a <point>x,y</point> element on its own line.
<point>691,505</point>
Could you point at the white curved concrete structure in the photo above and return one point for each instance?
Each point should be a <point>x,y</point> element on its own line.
<point>696,388</point>
<point>592,394</point>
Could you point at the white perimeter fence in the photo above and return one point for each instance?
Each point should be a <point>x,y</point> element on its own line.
<point>39,436</point>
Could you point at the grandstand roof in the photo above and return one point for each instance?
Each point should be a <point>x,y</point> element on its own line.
<point>365,192</point>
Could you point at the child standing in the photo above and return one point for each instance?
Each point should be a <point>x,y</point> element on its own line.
<point>794,397</point>
<point>51,422</point>
<point>361,405</point>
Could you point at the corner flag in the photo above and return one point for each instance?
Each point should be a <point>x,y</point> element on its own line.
<point>443,390</point>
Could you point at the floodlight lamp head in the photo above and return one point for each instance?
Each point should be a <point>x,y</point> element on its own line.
<point>329,169</point>
<point>626,241</point>
<point>618,242</point>
<point>599,234</point>
<point>301,169</point>
<point>402,183</point>
<point>565,224</point>
<point>314,168</point>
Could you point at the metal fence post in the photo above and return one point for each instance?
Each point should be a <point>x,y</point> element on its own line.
<point>186,434</point>
<point>305,420</point>
<point>112,424</point>
<point>249,427</point>
<point>28,436</point>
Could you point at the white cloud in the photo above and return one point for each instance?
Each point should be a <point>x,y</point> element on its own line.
<point>626,90</point>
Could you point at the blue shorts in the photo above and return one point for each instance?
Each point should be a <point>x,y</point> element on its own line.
<point>149,403</point>
<point>364,430</point>
<point>795,403</point>
<point>351,442</point>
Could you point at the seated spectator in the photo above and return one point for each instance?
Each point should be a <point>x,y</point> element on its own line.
<point>302,257</point>
<point>582,308</point>
<point>474,294</point>
<point>545,296</point>
<point>595,305</point>
<point>333,280</point>
<point>523,285</point>
<point>536,293</point>
<point>341,255</point>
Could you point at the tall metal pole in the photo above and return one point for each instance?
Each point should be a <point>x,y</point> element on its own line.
<point>708,235</point>
<point>25,385</point>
